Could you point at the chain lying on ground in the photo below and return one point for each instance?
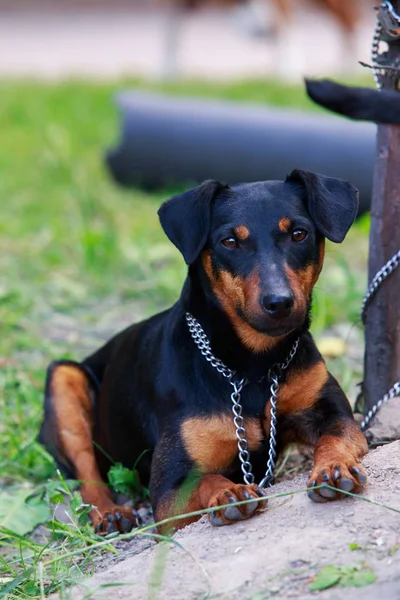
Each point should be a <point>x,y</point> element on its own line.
<point>203,344</point>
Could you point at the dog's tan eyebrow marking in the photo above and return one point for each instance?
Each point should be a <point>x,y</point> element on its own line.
<point>242,232</point>
<point>284,224</point>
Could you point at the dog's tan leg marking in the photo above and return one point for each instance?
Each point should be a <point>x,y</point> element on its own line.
<point>72,402</point>
<point>336,462</point>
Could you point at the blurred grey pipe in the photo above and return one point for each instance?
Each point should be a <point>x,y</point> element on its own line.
<point>167,140</point>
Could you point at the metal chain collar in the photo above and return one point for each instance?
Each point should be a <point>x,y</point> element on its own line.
<point>202,342</point>
<point>394,262</point>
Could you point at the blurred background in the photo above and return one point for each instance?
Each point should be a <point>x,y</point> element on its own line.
<point>216,40</point>
<point>80,255</point>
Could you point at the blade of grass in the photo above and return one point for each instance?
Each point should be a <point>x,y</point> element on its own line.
<point>16,582</point>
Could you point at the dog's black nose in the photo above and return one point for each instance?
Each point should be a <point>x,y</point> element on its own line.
<point>278,307</point>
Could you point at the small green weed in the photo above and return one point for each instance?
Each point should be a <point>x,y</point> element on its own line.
<point>346,576</point>
<point>354,547</point>
<point>21,509</point>
<point>126,481</point>
<point>59,553</point>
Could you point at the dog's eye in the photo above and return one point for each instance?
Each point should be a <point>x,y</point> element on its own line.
<point>230,243</point>
<point>298,235</point>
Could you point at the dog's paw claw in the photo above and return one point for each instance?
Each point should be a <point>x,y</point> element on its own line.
<point>120,519</point>
<point>126,525</point>
<point>215,520</point>
<point>312,494</point>
<point>111,528</point>
<point>343,477</point>
<point>359,475</point>
<point>347,485</point>
<point>236,493</point>
<point>327,493</point>
<point>232,513</point>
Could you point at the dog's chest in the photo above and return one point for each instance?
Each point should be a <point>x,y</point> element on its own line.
<point>211,442</point>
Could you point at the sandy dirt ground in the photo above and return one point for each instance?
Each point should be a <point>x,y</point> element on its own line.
<point>275,554</point>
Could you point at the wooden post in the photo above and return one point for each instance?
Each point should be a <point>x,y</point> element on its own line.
<point>382,332</point>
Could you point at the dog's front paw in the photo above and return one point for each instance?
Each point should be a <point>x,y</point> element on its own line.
<point>346,476</point>
<point>232,494</point>
<point>115,518</point>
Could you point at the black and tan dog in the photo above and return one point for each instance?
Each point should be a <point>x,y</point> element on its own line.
<point>254,253</point>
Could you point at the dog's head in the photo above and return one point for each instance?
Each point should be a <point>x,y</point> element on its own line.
<point>261,245</point>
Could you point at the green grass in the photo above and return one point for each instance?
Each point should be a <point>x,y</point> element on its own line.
<point>80,258</point>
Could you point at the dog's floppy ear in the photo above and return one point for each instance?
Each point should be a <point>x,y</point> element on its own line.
<point>332,203</point>
<point>186,218</point>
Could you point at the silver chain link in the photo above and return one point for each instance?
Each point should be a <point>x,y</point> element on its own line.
<point>379,278</point>
<point>274,375</point>
<point>203,345</point>
<point>392,393</point>
<point>200,339</point>
<point>238,421</point>
<point>375,53</point>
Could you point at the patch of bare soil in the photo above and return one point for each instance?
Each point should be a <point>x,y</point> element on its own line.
<point>277,553</point>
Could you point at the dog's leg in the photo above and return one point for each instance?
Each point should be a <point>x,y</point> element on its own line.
<point>336,461</point>
<point>67,433</point>
<point>314,410</point>
<point>338,442</point>
<point>211,491</point>
<point>178,487</point>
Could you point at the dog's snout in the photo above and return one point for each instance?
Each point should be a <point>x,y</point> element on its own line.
<point>278,307</point>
